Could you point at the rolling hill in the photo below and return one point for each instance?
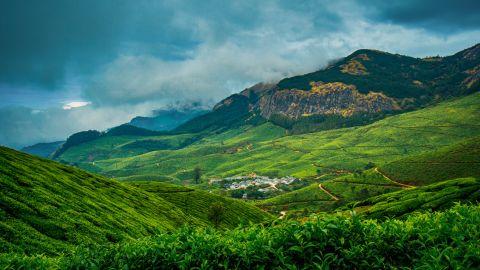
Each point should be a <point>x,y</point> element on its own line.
<point>454,161</point>
<point>266,150</point>
<point>47,207</point>
<point>328,195</point>
<point>433,197</point>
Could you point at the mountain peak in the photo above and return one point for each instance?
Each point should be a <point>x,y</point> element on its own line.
<point>471,53</point>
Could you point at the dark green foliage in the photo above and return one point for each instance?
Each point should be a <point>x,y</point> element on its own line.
<point>455,161</point>
<point>370,165</point>
<point>127,129</point>
<point>164,120</point>
<point>216,213</point>
<point>197,175</point>
<point>442,240</point>
<point>91,135</point>
<point>76,139</point>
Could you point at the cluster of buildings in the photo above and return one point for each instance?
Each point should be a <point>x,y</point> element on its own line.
<point>266,183</point>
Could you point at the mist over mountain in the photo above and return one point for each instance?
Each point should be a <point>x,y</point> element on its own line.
<point>169,118</point>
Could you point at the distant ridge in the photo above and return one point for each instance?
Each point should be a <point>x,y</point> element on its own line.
<point>43,149</point>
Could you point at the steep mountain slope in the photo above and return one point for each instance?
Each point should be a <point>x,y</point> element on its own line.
<point>76,139</point>
<point>43,149</point>
<point>233,110</point>
<point>454,161</point>
<point>265,150</point>
<point>46,207</point>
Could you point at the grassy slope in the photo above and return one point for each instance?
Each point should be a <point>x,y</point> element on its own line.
<point>451,162</point>
<point>198,202</point>
<point>458,160</point>
<point>309,154</point>
<point>118,146</point>
<point>311,198</point>
<point>431,197</point>
<point>48,207</point>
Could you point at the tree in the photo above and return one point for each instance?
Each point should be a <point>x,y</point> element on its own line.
<point>370,165</point>
<point>216,213</point>
<point>197,174</point>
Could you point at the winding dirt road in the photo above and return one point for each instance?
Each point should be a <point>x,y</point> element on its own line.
<point>335,198</point>
<point>390,179</point>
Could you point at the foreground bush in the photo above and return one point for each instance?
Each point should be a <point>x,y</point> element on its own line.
<point>443,240</point>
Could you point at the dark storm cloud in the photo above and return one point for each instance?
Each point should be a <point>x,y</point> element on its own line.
<point>443,16</point>
<point>43,40</point>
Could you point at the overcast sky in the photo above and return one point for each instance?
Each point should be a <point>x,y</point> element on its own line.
<point>72,65</point>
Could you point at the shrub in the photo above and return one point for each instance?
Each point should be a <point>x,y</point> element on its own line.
<point>440,240</point>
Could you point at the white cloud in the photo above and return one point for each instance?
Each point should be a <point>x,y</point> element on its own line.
<point>75,104</point>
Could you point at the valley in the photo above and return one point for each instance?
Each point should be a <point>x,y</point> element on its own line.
<point>272,153</point>
<point>370,162</point>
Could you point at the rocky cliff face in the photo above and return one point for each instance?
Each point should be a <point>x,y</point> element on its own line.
<point>326,99</point>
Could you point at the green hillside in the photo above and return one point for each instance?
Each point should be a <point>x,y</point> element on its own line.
<point>266,150</point>
<point>46,207</point>
<point>436,196</point>
<point>330,194</point>
<point>458,160</point>
<point>307,199</point>
<point>198,203</point>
